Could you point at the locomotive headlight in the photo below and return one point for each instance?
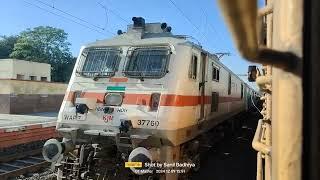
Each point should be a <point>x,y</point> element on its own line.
<point>113,99</point>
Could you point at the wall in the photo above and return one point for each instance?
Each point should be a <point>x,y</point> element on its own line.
<point>9,68</point>
<point>22,96</point>
<point>6,69</point>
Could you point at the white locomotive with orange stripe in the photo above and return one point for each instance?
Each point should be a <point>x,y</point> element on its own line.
<point>142,96</point>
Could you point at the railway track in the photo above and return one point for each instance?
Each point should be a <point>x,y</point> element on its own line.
<point>19,164</point>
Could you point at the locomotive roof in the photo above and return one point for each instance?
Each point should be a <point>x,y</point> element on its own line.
<point>152,34</point>
<point>135,40</point>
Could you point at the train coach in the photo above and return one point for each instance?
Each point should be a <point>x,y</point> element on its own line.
<point>142,96</point>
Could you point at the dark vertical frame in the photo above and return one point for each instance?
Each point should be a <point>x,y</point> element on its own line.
<point>203,70</point>
<point>311,90</point>
<point>229,84</point>
<point>214,101</point>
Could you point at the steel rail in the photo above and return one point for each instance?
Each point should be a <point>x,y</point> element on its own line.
<point>8,158</point>
<point>21,163</point>
<point>24,170</point>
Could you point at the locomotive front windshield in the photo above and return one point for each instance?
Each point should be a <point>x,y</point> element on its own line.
<point>147,62</point>
<point>100,62</point>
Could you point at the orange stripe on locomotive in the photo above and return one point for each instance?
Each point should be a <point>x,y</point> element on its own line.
<point>166,99</point>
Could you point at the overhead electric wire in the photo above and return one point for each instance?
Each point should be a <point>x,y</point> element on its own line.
<point>215,32</point>
<point>106,14</point>
<point>71,15</point>
<point>115,13</point>
<point>64,12</point>
<point>46,10</point>
<point>194,25</point>
<point>120,17</point>
<point>74,20</point>
<point>104,29</point>
<point>182,13</point>
<point>189,20</point>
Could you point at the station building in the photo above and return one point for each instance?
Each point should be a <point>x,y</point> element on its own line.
<point>26,88</point>
<point>24,70</point>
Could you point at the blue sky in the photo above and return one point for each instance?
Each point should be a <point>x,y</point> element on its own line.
<point>107,16</point>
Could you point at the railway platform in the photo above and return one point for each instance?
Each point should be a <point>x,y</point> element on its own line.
<point>22,129</point>
<point>21,141</point>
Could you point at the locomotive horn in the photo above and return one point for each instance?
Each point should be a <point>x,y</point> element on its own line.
<point>53,149</point>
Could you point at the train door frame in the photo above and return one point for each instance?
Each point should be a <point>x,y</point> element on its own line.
<point>202,83</point>
<point>244,96</point>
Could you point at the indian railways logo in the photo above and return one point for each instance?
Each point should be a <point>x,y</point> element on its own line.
<point>107,118</point>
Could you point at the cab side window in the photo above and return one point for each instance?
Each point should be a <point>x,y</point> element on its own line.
<point>215,73</point>
<point>193,67</point>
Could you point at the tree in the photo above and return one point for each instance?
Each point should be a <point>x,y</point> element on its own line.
<point>6,45</point>
<point>63,70</point>
<point>46,45</point>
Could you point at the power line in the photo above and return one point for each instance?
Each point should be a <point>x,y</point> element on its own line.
<point>216,32</point>
<point>182,13</point>
<point>126,21</point>
<point>206,16</point>
<point>106,14</point>
<point>64,12</point>
<point>189,20</point>
<point>115,13</point>
<point>59,15</point>
<point>66,18</point>
<point>120,17</point>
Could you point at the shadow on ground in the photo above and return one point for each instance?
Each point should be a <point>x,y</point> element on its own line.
<point>233,157</point>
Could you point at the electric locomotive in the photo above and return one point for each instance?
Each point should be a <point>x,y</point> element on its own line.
<point>142,96</point>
